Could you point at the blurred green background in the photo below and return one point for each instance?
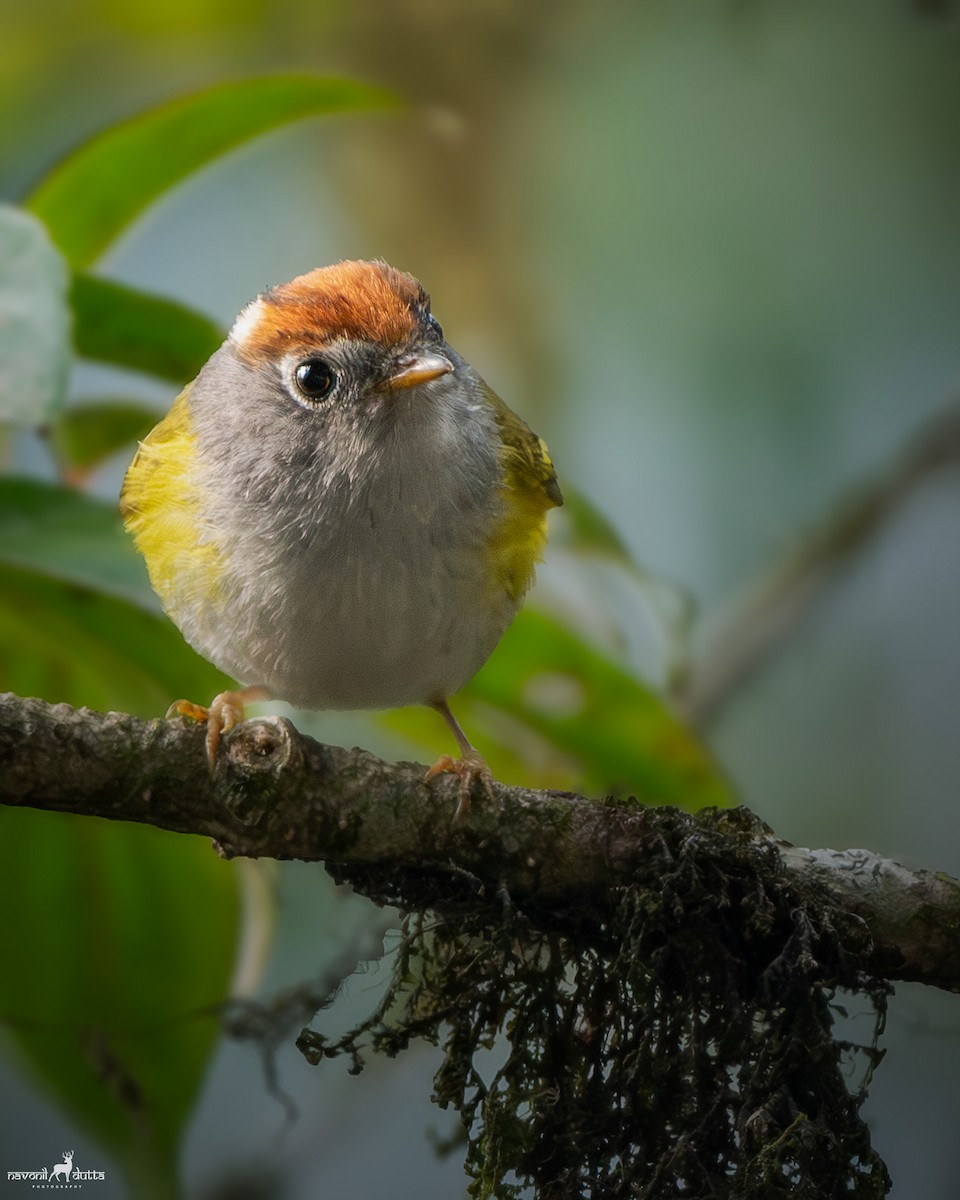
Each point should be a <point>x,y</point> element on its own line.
<point>711,252</point>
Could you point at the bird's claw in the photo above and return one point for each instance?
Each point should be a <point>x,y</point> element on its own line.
<point>187,708</point>
<point>471,768</point>
<point>225,711</point>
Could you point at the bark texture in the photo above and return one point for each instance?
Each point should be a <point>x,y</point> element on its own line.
<point>278,794</point>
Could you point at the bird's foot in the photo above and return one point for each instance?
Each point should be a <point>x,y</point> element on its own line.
<point>225,711</point>
<point>471,768</point>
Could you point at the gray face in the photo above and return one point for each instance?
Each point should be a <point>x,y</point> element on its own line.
<point>268,432</point>
<point>354,518</point>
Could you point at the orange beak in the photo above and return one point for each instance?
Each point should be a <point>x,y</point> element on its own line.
<point>413,369</point>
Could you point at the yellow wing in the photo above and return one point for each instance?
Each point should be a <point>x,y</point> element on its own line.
<point>160,506</point>
<point>531,490</point>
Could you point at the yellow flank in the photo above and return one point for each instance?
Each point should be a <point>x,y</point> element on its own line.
<point>160,506</point>
<point>530,490</point>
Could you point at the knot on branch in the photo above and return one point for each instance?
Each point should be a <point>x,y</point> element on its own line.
<point>253,771</point>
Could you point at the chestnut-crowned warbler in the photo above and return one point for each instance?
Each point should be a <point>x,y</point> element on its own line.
<point>338,512</point>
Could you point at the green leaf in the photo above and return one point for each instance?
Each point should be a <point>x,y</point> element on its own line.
<point>69,536</point>
<point>34,321</point>
<point>67,642</point>
<point>122,947</point>
<point>129,328</point>
<point>583,529</point>
<point>95,193</point>
<point>84,436</point>
<point>81,621</point>
<point>124,936</point>
<point>586,528</point>
<point>594,726</point>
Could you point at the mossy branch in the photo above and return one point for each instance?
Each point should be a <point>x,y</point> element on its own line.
<point>281,795</point>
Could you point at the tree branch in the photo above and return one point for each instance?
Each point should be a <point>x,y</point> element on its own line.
<point>278,794</point>
<point>785,596</point>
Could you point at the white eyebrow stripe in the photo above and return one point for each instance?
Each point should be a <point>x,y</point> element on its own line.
<point>246,322</point>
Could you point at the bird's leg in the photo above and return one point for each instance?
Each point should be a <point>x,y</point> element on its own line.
<point>470,766</point>
<point>225,711</point>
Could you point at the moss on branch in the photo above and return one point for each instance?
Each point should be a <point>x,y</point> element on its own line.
<point>663,982</point>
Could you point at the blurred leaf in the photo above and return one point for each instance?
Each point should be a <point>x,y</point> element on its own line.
<point>89,433</point>
<point>34,321</point>
<point>609,733</point>
<point>120,325</point>
<point>111,977</point>
<point>583,529</point>
<point>107,966</point>
<point>95,193</point>
<point>59,640</point>
<point>586,528</point>
<point>100,638</point>
<point>65,534</point>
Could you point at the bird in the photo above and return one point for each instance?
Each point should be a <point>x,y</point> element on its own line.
<point>339,512</point>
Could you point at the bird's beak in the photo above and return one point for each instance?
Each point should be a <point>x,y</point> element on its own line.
<point>413,369</point>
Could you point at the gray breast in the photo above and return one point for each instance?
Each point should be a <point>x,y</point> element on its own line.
<point>361,538</point>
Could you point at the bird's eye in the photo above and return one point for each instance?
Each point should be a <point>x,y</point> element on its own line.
<point>315,378</point>
<point>434,325</point>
